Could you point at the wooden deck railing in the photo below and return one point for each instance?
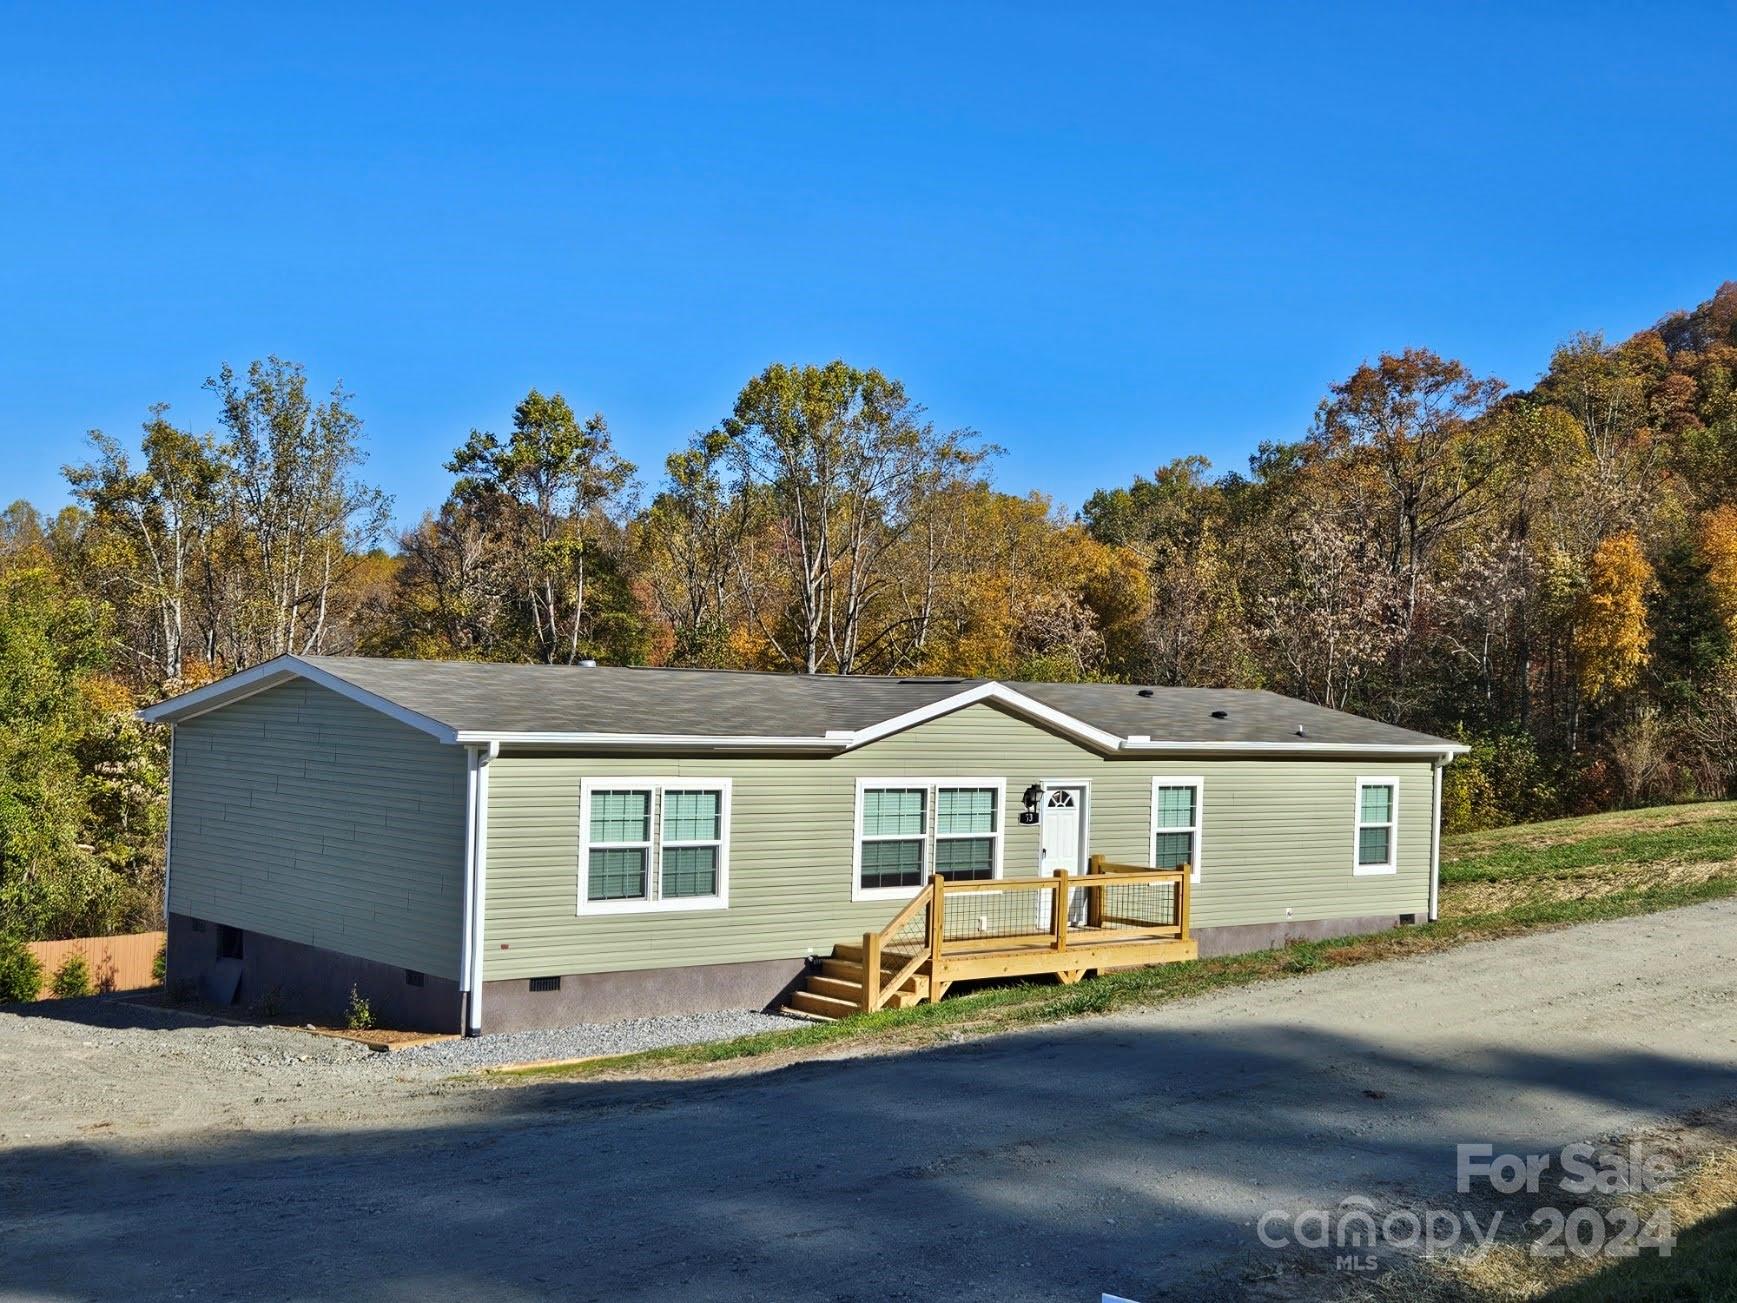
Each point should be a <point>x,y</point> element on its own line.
<point>1028,928</point>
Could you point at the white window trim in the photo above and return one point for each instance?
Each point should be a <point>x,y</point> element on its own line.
<point>654,903</point>
<point>1197,831</point>
<point>1392,825</point>
<point>931,818</point>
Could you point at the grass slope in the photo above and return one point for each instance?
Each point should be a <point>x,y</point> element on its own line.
<point>1494,884</point>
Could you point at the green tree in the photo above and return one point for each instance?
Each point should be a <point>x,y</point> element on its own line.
<point>853,476</point>
<point>163,515</point>
<point>550,494</point>
<point>20,971</point>
<point>52,645</point>
<point>298,520</point>
<point>72,979</point>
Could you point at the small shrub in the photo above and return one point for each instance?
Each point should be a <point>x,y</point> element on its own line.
<point>160,965</point>
<point>20,971</point>
<point>361,1016</point>
<point>72,979</point>
<point>1502,781</point>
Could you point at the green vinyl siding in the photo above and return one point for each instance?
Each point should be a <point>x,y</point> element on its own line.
<point>1276,834</point>
<point>303,815</point>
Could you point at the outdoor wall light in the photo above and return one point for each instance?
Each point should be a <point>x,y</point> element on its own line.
<point>1033,795</point>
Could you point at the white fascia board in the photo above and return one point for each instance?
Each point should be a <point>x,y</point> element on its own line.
<point>232,687</point>
<point>272,673</point>
<point>1002,695</point>
<point>1420,749</point>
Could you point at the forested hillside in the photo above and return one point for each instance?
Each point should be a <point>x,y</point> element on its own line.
<point>1550,574</point>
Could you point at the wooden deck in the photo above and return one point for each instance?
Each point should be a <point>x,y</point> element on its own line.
<point>1115,916</point>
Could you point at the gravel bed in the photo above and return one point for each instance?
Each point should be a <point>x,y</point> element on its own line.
<point>589,1039</point>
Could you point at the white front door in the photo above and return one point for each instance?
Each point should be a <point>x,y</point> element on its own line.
<point>1062,841</point>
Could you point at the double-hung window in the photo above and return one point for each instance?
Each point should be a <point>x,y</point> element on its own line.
<point>653,844</point>
<point>909,829</point>
<point>1176,824</point>
<point>1376,849</point>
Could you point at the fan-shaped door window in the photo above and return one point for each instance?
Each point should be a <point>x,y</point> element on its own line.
<point>1061,799</point>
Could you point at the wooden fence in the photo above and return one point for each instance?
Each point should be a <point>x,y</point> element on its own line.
<point>116,963</point>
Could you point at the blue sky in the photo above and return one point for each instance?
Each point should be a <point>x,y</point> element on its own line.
<point>1104,237</point>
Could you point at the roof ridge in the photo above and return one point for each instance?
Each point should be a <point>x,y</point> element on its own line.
<point>821,676</point>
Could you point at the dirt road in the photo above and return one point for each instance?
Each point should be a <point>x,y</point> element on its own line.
<point>1131,1154</point>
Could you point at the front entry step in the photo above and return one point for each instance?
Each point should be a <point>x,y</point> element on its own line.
<point>834,990</point>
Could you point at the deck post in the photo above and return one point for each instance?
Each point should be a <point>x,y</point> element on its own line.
<point>1095,895</point>
<point>1182,902</point>
<point>871,971</point>
<point>1061,910</point>
<point>937,921</point>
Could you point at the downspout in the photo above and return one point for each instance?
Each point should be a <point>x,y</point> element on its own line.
<point>1435,843</point>
<point>467,928</point>
<point>168,839</point>
<point>475,881</point>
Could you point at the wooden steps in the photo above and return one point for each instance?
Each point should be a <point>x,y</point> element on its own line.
<point>1144,922</point>
<point>834,989</point>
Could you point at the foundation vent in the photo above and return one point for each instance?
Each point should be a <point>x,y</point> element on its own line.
<point>545,984</point>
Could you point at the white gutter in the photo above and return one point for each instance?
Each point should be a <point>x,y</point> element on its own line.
<point>685,741</point>
<point>1443,751</point>
<point>840,741</point>
<point>476,832</point>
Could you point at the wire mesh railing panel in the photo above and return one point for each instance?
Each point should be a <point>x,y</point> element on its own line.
<point>910,936</point>
<point>980,913</point>
<point>1130,905</point>
<point>1022,911</point>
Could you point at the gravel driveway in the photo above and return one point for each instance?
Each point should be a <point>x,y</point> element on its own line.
<point>593,1039</point>
<point>1130,1154</point>
<point>114,1066</point>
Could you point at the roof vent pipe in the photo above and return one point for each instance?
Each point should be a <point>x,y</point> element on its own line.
<point>1221,714</point>
<point>1301,732</point>
<point>587,662</point>
<point>1145,692</point>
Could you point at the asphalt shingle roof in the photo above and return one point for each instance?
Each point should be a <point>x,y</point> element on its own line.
<point>477,698</point>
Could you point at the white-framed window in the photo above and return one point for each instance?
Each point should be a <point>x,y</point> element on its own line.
<point>909,829</point>
<point>653,844</point>
<point>1375,844</point>
<point>1176,822</point>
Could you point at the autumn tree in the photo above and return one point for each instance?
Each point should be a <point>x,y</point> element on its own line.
<point>690,542</point>
<point>1611,635</point>
<point>1328,612</point>
<point>1717,544</point>
<point>1192,631</point>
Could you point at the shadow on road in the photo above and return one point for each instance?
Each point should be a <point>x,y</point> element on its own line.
<point>126,1010</point>
<point>1101,1156</point>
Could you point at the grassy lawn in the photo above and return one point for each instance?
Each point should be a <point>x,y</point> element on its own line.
<point>1701,1203</point>
<point>1703,1266</point>
<point>1494,884</point>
